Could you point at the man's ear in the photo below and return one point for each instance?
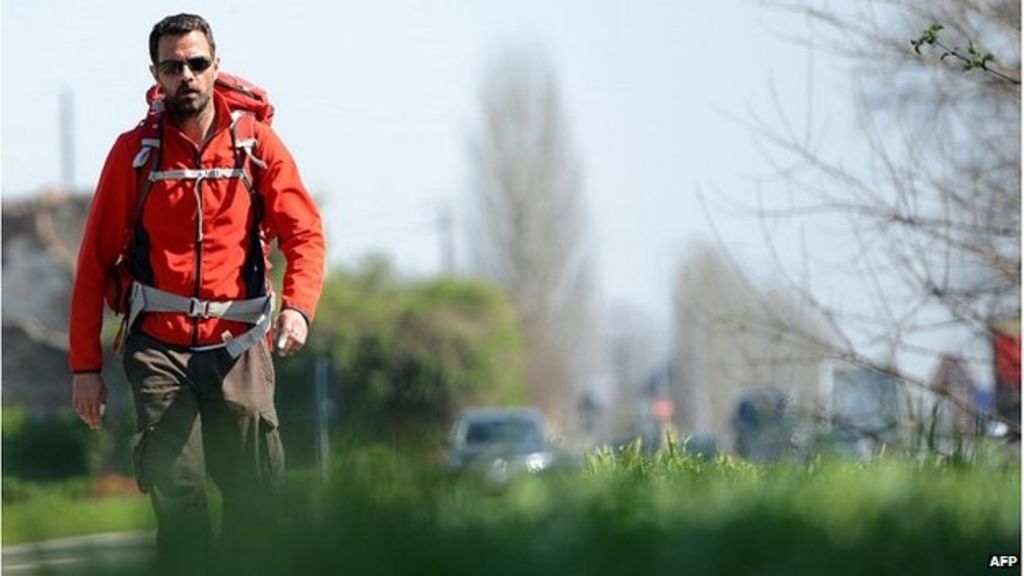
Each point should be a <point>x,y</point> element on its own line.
<point>216,67</point>
<point>152,70</point>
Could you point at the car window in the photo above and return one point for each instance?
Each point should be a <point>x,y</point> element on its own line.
<point>503,432</point>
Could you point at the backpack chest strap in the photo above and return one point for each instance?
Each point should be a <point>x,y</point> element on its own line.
<point>197,174</point>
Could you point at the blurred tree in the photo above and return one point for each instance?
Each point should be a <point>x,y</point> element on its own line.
<point>528,231</point>
<point>405,355</point>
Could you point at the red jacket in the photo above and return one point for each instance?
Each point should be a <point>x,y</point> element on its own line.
<point>209,269</point>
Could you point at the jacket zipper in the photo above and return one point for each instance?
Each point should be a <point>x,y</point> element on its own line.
<point>199,244</point>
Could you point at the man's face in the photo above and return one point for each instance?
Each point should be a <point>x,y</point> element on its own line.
<point>179,71</point>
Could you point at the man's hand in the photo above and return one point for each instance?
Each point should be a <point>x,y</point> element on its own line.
<point>291,332</point>
<point>89,394</point>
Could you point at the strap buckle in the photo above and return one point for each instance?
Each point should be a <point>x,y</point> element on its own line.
<point>198,308</point>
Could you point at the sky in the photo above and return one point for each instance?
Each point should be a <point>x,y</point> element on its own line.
<point>378,102</point>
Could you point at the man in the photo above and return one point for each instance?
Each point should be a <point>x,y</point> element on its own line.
<point>197,354</point>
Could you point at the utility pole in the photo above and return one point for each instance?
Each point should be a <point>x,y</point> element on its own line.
<point>321,407</point>
<point>446,236</point>
<point>67,140</point>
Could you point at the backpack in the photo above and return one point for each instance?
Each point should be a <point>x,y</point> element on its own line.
<point>248,104</point>
<point>239,93</point>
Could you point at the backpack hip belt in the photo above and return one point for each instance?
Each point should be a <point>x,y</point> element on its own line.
<point>256,311</point>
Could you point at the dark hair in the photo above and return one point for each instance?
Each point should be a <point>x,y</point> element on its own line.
<point>179,25</point>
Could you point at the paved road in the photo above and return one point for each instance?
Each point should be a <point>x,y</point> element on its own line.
<point>73,555</point>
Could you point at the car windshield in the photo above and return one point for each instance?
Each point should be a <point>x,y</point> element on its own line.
<point>519,431</point>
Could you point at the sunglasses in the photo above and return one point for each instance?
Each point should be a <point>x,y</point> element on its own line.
<point>175,67</point>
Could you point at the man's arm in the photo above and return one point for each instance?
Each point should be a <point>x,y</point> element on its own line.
<point>294,220</point>
<point>101,243</point>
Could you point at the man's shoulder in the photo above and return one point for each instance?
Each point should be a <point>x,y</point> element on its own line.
<point>130,138</point>
<point>126,146</point>
<point>262,128</point>
<point>268,140</point>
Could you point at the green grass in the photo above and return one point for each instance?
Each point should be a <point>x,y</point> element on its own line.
<point>667,514</point>
<point>629,513</point>
<point>54,514</point>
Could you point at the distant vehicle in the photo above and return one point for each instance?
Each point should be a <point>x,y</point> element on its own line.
<point>703,445</point>
<point>499,442</point>
<point>863,411</point>
<point>764,427</point>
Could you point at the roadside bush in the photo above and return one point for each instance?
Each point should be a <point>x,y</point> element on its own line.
<point>404,357</point>
<point>51,447</point>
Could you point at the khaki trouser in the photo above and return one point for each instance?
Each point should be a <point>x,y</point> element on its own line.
<point>202,412</point>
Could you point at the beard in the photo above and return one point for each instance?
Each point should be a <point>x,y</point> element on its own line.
<point>187,102</point>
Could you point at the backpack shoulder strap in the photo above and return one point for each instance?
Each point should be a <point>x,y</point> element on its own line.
<point>150,139</point>
<point>243,137</point>
<point>150,147</point>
